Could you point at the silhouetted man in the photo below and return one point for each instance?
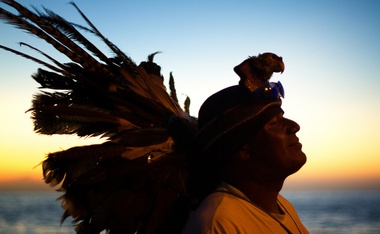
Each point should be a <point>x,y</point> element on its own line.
<point>246,149</point>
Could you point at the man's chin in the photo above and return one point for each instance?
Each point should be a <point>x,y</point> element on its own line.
<point>301,160</point>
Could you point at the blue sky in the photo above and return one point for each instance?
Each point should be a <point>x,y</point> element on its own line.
<point>331,78</point>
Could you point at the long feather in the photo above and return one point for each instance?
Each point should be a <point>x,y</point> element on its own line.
<point>60,65</point>
<point>32,58</point>
<point>60,23</point>
<point>130,64</point>
<point>173,92</point>
<point>65,45</point>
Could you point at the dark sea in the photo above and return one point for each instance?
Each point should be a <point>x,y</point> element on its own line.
<point>321,211</point>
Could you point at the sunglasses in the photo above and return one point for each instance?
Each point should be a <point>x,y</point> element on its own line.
<point>270,91</point>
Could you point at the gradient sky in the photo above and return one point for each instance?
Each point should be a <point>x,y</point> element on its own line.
<point>330,48</point>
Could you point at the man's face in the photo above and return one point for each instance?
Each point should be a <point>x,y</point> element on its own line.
<point>276,147</point>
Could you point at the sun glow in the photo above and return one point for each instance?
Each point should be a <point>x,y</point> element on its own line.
<point>331,76</point>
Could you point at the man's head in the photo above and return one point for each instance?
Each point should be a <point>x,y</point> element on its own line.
<point>240,121</point>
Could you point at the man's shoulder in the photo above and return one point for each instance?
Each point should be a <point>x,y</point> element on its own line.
<point>214,203</point>
<point>224,204</point>
<point>209,211</point>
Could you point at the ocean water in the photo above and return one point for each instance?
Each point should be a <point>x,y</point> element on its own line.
<point>31,212</point>
<point>341,211</point>
<point>321,212</point>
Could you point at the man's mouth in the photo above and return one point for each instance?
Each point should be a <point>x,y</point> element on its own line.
<point>296,145</point>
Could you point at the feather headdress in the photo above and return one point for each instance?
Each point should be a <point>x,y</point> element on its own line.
<point>136,179</point>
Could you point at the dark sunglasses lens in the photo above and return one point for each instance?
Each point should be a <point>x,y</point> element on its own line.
<point>280,89</point>
<point>270,91</point>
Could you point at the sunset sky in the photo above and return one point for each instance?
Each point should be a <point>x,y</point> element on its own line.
<point>331,52</point>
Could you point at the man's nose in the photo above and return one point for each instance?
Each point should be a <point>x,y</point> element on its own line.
<point>292,126</point>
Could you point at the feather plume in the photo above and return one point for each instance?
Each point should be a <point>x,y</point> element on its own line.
<point>136,180</point>
<point>187,105</point>
<point>173,92</point>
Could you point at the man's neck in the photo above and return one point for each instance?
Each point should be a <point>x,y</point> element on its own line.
<point>263,195</point>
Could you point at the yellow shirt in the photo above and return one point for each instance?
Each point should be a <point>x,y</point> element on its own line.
<point>231,212</point>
